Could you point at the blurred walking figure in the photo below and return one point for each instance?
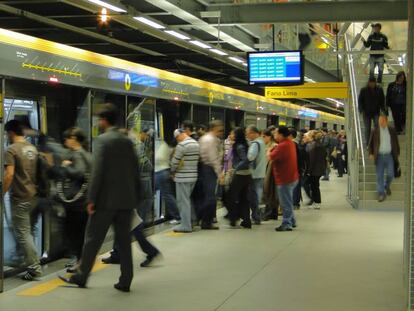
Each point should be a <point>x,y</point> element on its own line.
<point>72,186</point>
<point>20,178</point>
<point>113,195</point>
<point>384,149</point>
<point>210,169</point>
<point>269,189</point>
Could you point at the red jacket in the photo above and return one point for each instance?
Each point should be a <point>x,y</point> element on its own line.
<point>284,162</point>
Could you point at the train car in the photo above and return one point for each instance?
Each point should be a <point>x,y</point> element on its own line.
<point>51,87</point>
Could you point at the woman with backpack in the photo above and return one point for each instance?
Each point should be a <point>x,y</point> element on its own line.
<point>72,188</point>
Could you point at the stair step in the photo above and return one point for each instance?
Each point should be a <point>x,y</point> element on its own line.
<point>372,195</point>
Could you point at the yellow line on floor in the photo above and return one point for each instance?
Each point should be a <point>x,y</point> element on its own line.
<point>47,287</point>
<point>174,234</point>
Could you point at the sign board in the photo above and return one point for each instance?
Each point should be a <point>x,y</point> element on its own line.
<point>309,90</point>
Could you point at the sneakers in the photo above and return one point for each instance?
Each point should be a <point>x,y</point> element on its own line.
<point>283,228</point>
<point>381,197</point>
<point>31,276</point>
<point>174,222</point>
<point>317,206</point>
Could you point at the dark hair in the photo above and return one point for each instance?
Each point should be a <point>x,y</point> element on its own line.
<point>271,128</point>
<point>110,113</point>
<point>254,129</point>
<point>401,74</point>
<point>202,127</point>
<point>268,132</point>
<point>284,131</point>
<point>240,137</point>
<point>293,132</point>
<point>188,124</point>
<point>372,79</point>
<point>15,127</point>
<point>79,136</point>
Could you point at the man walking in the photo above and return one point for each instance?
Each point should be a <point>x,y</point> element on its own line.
<point>378,42</point>
<point>384,149</point>
<point>257,157</point>
<point>285,168</point>
<point>184,167</point>
<point>210,156</point>
<point>371,101</point>
<point>113,194</point>
<point>20,178</point>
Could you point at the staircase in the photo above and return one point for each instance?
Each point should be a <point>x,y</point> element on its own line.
<point>368,197</point>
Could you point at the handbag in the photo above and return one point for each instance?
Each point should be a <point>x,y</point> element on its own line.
<point>397,168</point>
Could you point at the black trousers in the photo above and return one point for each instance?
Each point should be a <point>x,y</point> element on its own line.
<point>76,221</point>
<point>149,249</point>
<point>314,188</point>
<point>239,198</point>
<point>399,116</point>
<point>209,204</point>
<point>96,230</point>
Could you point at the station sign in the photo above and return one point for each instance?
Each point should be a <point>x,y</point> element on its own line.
<point>321,90</point>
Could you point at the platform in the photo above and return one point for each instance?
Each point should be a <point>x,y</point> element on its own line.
<point>338,259</point>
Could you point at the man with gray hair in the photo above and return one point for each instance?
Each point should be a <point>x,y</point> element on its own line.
<point>184,167</point>
<point>257,158</point>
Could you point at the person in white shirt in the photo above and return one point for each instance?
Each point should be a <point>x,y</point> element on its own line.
<point>211,159</point>
<point>164,183</point>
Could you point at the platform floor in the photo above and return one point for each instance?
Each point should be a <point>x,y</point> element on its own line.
<point>338,259</point>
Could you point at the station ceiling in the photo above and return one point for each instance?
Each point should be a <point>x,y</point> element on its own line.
<point>77,23</point>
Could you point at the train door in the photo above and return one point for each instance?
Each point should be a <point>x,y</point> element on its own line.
<point>312,125</point>
<point>27,111</point>
<point>233,119</point>
<point>296,124</point>
<point>273,120</point>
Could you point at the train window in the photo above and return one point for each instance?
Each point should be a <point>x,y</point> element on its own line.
<point>217,114</point>
<point>201,115</point>
<point>272,120</point>
<point>233,119</point>
<point>184,112</point>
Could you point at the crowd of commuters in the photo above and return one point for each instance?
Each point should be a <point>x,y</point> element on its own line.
<point>255,174</point>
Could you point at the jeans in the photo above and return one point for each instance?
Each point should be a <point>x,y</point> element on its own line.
<point>373,62</point>
<point>21,218</point>
<point>209,204</point>
<point>367,122</point>
<point>184,190</point>
<point>285,193</point>
<point>256,193</point>
<point>384,165</point>
<point>164,184</point>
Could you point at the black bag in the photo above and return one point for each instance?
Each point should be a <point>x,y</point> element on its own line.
<point>42,178</point>
<point>397,168</point>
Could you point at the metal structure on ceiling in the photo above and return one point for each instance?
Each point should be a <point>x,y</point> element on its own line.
<point>206,39</point>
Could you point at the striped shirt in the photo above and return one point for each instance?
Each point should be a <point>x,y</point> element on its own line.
<point>184,163</point>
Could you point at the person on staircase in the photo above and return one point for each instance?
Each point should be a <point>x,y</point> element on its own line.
<point>384,149</point>
<point>371,101</point>
<point>397,101</point>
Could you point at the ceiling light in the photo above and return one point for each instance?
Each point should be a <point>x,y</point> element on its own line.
<point>108,6</point>
<point>104,16</point>
<point>237,60</point>
<point>177,34</point>
<point>200,44</point>
<point>149,22</point>
<point>219,52</point>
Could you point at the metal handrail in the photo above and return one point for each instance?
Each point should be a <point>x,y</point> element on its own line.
<point>355,111</point>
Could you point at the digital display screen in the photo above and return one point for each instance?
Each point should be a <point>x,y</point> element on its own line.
<point>276,68</point>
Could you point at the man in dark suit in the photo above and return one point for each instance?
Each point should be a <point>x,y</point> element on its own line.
<point>113,194</point>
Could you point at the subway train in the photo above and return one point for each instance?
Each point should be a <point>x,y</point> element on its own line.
<point>52,87</point>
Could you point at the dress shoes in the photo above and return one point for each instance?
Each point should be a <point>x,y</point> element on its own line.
<point>150,259</point>
<point>111,260</point>
<point>73,280</point>
<point>121,288</point>
<point>209,227</point>
<point>246,225</point>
